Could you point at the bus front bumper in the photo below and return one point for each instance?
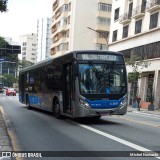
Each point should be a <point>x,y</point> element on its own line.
<point>90,112</point>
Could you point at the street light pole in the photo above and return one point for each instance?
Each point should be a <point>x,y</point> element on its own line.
<point>104,36</point>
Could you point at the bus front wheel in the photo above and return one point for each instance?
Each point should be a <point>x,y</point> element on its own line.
<point>56,109</point>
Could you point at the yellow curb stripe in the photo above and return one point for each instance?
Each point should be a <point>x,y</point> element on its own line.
<point>11,133</point>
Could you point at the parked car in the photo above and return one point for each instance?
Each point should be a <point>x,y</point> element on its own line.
<point>10,91</point>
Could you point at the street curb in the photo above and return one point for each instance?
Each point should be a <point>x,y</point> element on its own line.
<point>141,111</point>
<point>149,113</point>
<point>15,145</point>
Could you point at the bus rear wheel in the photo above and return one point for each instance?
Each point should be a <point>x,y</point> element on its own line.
<point>56,109</point>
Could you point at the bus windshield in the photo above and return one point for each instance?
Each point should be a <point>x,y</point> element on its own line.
<point>102,78</point>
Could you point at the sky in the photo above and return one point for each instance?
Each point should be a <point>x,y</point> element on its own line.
<point>21,17</point>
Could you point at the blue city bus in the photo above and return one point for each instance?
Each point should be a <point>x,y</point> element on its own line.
<point>77,84</point>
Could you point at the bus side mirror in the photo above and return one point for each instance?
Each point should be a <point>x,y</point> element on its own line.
<point>75,69</point>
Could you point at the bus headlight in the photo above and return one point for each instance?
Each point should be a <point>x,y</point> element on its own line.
<point>84,103</point>
<point>124,102</point>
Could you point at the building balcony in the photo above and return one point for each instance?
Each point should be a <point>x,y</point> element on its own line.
<point>54,28</point>
<point>55,5</point>
<point>125,18</point>
<point>138,11</point>
<point>61,13</point>
<point>153,5</point>
<point>62,2</point>
<point>62,28</point>
<point>101,27</point>
<point>58,41</point>
<point>100,40</point>
<point>103,14</point>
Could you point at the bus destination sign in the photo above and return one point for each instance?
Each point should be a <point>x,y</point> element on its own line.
<point>99,57</point>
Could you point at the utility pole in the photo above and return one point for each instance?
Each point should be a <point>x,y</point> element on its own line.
<point>103,35</point>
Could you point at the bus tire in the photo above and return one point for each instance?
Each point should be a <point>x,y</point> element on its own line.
<point>96,117</point>
<point>56,109</point>
<point>28,103</point>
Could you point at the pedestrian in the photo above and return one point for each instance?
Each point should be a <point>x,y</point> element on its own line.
<point>138,98</point>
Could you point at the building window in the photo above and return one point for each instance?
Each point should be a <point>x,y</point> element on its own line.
<point>69,19</point>
<point>102,34</point>
<point>99,46</point>
<point>125,31</point>
<point>138,26</point>
<point>67,33</point>
<point>24,49</point>
<point>148,51</point>
<point>23,58</point>
<point>62,47</point>
<point>69,6</point>
<point>143,5</point>
<point>114,37</point>
<point>103,21</point>
<point>104,7</point>
<point>153,20</point>
<point>116,14</point>
<point>23,53</point>
<point>130,9</point>
<point>65,8</point>
<point>24,44</point>
<point>63,21</point>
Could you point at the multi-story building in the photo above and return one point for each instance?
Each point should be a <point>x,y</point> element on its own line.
<point>135,30</point>
<point>80,24</point>
<point>43,38</point>
<point>28,47</point>
<point>7,65</point>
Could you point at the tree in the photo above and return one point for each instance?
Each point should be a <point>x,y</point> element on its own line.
<point>2,42</point>
<point>136,64</point>
<point>24,63</point>
<point>9,79</point>
<point>3,5</point>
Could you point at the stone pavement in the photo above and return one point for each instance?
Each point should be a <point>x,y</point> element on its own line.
<point>5,144</point>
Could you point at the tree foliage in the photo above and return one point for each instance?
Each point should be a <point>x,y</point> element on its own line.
<point>136,64</point>
<point>24,63</point>
<point>3,5</point>
<point>2,42</point>
<point>9,79</point>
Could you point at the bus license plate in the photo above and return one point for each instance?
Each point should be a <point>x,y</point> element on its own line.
<point>104,114</point>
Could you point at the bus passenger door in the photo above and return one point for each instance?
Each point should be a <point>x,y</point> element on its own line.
<point>68,87</point>
<point>22,83</point>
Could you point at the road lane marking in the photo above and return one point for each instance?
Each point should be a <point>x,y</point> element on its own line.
<point>122,141</point>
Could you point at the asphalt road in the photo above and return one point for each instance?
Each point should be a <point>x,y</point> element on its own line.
<point>40,131</point>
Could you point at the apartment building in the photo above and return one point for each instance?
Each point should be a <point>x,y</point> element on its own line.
<point>80,25</point>
<point>135,30</point>
<point>43,38</point>
<point>28,47</point>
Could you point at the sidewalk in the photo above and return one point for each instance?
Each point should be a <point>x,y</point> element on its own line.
<point>5,144</point>
<point>131,109</point>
